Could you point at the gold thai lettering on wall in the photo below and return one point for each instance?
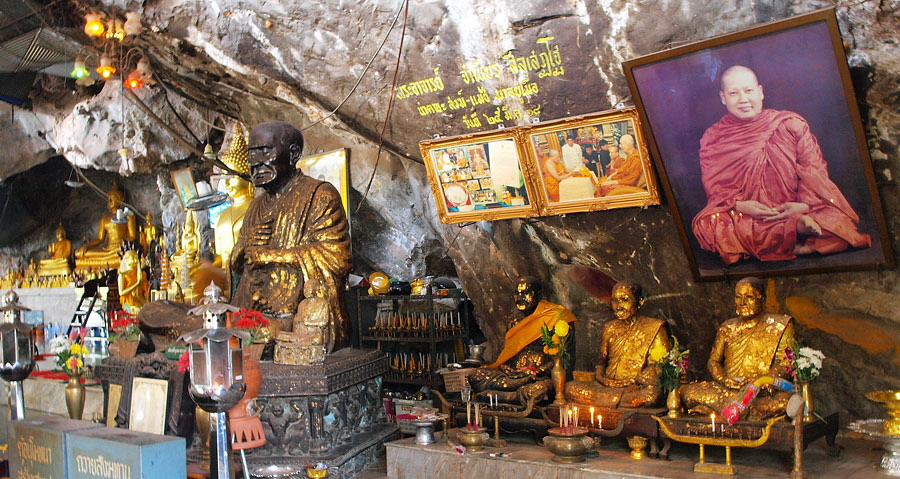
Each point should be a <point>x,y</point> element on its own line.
<point>483,103</point>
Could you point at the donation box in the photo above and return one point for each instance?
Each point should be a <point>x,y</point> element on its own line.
<point>37,447</point>
<point>119,453</point>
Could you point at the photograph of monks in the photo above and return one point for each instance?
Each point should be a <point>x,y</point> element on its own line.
<point>478,177</point>
<point>760,147</point>
<point>591,163</point>
<point>330,167</point>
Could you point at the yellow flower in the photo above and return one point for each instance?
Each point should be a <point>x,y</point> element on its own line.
<point>561,329</point>
<point>78,349</point>
<point>657,352</point>
<point>551,351</point>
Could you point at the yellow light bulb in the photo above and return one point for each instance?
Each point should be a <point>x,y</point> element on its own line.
<point>93,25</point>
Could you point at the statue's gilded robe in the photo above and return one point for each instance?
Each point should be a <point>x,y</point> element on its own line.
<point>303,232</point>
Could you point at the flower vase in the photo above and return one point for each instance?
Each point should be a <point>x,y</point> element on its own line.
<point>126,349</point>
<point>254,351</point>
<point>806,394</point>
<point>75,396</point>
<point>558,375</point>
<point>673,403</point>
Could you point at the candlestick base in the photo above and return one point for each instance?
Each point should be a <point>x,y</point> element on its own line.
<point>712,468</point>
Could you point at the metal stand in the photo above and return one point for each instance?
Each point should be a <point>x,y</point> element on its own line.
<point>16,401</point>
<point>220,441</point>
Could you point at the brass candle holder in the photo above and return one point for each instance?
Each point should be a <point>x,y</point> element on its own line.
<point>712,440</point>
<point>569,444</point>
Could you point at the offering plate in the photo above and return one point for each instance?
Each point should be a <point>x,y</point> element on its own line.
<point>890,461</point>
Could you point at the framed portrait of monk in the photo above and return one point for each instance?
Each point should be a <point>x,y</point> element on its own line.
<point>479,177</point>
<point>758,141</point>
<point>590,163</point>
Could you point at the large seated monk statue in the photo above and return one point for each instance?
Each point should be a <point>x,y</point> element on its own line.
<point>294,231</point>
<point>522,369</point>
<point>116,226</point>
<point>747,347</point>
<point>625,376</point>
<point>60,254</point>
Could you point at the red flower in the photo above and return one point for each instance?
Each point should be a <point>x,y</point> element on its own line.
<point>249,319</point>
<point>184,362</point>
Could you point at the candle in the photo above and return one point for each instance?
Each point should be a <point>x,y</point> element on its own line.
<point>600,421</point>
<point>477,415</point>
<point>575,415</point>
<point>592,416</point>
<point>712,418</point>
<point>568,417</point>
<point>468,413</point>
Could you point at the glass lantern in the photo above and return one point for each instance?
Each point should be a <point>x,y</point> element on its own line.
<point>16,352</point>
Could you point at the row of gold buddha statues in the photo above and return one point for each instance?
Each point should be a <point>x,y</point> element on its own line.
<point>137,252</point>
<point>750,346</point>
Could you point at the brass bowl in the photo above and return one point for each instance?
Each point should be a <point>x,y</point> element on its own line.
<point>637,445</point>
<point>316,473</point>
<point>472,440</point>
<point>891,401</point>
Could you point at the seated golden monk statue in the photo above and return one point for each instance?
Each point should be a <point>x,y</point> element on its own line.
<point>115,226</point>
<point>625,376</point>
<point>305,343</point>
<point>60,254</point>
<point>522,370</point>
<point>747,347</point>
<point>133,285</point>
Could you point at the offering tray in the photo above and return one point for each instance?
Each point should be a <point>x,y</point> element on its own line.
<point>874,428</point>
<point>730,436</point>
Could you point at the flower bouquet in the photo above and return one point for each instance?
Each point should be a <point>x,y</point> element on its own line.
<point>804,364</point>
<point>672,364</point>
<point>70,359</point>
<point>258,326</point>
<point>555,338</point>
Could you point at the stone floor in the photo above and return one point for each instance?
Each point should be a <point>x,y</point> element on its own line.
<point>406,460</point>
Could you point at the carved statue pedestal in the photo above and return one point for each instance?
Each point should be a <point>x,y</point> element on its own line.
<point>329,413</point>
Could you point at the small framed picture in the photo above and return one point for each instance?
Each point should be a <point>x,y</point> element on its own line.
<point>590,163</point>
<point>479,177</point>
<point>331,167</point>
<point>145,414</point>
<point>758,141</point>
<point>183,180</point>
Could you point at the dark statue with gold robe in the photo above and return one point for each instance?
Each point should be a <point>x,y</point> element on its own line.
<point>295,230</point>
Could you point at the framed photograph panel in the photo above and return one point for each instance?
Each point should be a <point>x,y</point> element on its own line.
<point>146,397</point>
<point>759,144</point>
<point>331,166</point>
<point>479,177</point>
<point>183,180</point>
<point>589,163</point>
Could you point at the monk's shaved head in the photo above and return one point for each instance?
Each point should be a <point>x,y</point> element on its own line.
<point>736,71</point>
<point>740,92</point>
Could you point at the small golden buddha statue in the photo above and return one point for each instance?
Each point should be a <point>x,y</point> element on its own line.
<point>60,254</point>
<point>148,233</point>
<point>231,220</point>
<point>522,369</point>
<point>133,285</point>
<point>747,347</point>
<point>624,375</point>
<point>115,226</point>
<point>187,257</point>
<point>305,343</point>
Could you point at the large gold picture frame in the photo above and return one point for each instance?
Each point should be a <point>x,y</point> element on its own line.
<point>590,163</point>
<point>480,177</point>
<point>331,167</point>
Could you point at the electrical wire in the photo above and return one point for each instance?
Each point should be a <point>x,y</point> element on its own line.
<point>387,115</point>
<point>104,194</point>
<point>369,64</point>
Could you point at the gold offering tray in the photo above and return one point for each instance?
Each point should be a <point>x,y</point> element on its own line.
<point>702,432</point>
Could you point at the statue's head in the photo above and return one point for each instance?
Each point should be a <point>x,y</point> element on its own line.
<point>311,288</point>
<point>274,149</point>
<point>60,232</point>
<point>749,297</point>
<point>528,294</point>
<point>130,261</point>
<point>114,197</point>
<point>626,299</point>
<point>237,158</point>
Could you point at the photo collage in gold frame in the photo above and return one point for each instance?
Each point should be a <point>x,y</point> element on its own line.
<point>587,163</point>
